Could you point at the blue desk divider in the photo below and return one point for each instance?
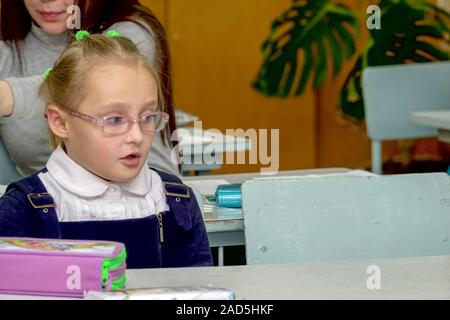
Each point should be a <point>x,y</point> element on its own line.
<point>346,218</point>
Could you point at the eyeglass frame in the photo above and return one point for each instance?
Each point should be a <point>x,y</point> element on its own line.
<point>98,120</point>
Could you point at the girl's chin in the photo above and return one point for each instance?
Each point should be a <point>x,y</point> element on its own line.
<point>123,177</point>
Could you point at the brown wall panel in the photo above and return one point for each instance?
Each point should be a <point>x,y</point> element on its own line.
<point>215,49</point>
<point>158,7</point>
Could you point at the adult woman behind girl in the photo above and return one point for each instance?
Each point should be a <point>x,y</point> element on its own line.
<point>33,34</point>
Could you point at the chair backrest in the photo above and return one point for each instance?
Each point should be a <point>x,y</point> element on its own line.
<point>391,93</point>
<point>346,218</point>
<point>8,171</point>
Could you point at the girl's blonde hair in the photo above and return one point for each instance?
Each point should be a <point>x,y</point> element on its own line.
<point>66,84</point>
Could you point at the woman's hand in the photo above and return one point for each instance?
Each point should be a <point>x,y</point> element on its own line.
<point>6,99</point>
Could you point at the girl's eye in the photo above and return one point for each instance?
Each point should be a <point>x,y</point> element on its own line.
<point>146,118</point>
<point>114,120</point>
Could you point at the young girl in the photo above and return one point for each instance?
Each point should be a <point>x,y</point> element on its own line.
<point>33,34</point>
<point>104,107</point>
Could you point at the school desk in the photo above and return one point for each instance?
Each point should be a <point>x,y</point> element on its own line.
<point>398,278</point>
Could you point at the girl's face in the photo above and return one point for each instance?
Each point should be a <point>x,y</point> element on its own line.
<point>113,90</point>
<point>50,15</point>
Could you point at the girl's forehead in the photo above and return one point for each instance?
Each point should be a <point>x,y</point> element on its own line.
<point>117,82</point>
<point>115,77</point>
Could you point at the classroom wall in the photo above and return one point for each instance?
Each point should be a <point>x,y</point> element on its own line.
<point>158,7</point>
<point>341,142</point>
<point>225,37</point>
<point>215,53</point>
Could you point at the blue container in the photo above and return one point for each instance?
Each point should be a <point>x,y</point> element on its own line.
<point>229,196</point>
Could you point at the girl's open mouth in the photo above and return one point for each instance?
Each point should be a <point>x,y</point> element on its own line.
<point>131,160</point>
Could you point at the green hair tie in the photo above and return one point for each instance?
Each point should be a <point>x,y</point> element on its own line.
<point>47,72</point>
<point>81,35</point>
<point>112,34</point>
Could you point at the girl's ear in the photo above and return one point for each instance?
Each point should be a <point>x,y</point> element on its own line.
<point>57,121</point>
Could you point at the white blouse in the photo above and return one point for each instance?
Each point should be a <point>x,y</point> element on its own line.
<point>80,195</point>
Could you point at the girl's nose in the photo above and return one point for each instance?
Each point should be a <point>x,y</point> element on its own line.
<point>135,134</point>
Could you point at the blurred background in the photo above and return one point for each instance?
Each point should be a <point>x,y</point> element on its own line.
<point>218,75</point>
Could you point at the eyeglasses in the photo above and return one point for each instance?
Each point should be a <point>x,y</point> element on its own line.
<point>121,124</point>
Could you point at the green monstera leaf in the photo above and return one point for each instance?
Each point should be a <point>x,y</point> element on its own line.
<point>410,32</point>
<point>300,42</point>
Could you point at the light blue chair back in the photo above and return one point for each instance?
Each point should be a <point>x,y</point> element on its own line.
<point>391,93</point>
<point>346,218</point>
<point>8,172</point>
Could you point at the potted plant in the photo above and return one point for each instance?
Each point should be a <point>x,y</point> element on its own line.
<point>310,33</point>
<point>315,37</point>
